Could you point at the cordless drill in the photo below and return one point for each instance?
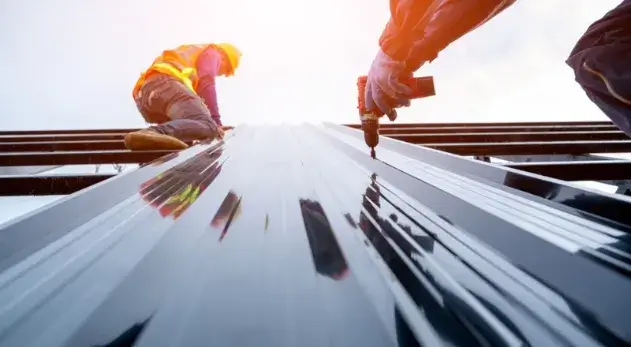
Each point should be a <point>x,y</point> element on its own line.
<point>421,87</point>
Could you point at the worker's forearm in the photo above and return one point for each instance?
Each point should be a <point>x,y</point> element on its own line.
<point>419,29</point>
<point>208,68</point>
<point>401,31</point>
<point>208,93</point>
<point>452,20</point>
<point>217,120</point>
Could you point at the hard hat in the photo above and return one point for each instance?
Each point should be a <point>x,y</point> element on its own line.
<point>233,54</point>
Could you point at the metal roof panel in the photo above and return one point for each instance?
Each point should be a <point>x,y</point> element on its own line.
<point>294,236</point>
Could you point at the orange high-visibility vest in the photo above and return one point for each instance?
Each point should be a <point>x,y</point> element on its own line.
<point>179,63</point>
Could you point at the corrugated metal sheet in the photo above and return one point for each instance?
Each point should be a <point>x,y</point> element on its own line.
<point>293,236</point>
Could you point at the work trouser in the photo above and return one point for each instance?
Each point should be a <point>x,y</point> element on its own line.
<point>601,61</point>
<point>175,109</point>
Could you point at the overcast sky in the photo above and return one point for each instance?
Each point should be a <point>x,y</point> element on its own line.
<point>73,63</point>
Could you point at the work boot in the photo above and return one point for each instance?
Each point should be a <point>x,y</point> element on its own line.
<point>148,139</point>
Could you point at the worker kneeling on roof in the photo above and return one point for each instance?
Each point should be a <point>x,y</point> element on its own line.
<point>177,93</point>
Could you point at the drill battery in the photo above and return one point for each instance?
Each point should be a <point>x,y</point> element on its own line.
<point>421,87</point>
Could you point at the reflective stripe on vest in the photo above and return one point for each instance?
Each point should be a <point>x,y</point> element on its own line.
<point>179,63</point>
<point>182,75</point>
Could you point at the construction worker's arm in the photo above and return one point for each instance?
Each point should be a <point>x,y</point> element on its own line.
<point>208,64</point>
<point>420,29</point>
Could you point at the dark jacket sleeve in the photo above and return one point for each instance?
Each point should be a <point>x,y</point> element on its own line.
<point>208,64</point>
<point>419,29</point>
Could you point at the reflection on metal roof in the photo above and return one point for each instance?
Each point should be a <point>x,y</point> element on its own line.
<point>294,236</point>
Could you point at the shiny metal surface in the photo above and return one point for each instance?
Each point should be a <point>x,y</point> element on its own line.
<point>548,191</point>
<point>294,236</point>
<point>497,128</point>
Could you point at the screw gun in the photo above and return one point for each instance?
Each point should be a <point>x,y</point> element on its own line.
<point>421,87</point>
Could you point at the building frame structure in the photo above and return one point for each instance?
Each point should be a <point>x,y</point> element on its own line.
<point>567,151</point>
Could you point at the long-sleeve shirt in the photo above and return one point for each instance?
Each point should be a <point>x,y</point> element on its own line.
<point>600,60</point>
<point>208,64</point>
<point>419,29</point>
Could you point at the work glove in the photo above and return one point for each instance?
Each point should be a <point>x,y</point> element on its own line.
<point>384,89</point>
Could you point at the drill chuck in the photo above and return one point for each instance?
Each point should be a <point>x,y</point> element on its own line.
<point>370,127</point>
<point>421,87</point>
<point>371,138</point>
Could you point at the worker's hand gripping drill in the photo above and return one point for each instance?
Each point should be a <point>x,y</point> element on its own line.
<point>384,89</point>
<point>417,88</point>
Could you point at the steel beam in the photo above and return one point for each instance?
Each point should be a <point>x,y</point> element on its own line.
<point>62,146</point>
<point>526,148</point>
<point>62,137</point>
<point>76,158</point>
<point>511,137</point>
<point>592,170</point>
<point>66,131</point>
<point>486,124</point>
<point>20,133</point>
<point>562,158</point>
<point>47,185</point>
<point>495,129</point>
